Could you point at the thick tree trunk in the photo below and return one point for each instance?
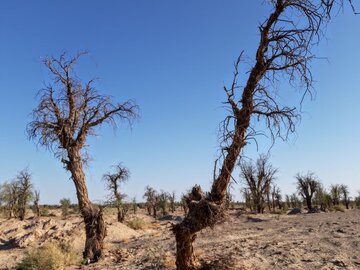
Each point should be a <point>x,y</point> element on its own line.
<point>308,203</point>
<point>95,228</point>
<point>202,213</point>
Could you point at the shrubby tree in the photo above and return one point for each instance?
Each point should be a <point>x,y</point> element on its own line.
<point>9,197</point>
<point>113,182</point>
<point>295,201</point>
<point>335,193</point>
<point>284,52</point>
<point>24,192</point>
<point>307,185</point>
<point>258,178</point>
<point>65,206</point>
<point>322,199</point>
<point>344,189</point>
<point>163,201</point>
<point>69,111</point>
<point>151,200</point>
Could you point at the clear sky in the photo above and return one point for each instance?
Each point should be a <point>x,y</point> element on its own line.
<point>173,58</point>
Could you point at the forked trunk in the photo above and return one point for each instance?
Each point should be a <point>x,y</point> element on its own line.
<point>95,228</point>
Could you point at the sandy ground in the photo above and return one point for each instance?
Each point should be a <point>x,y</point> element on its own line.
<point>304,241</point>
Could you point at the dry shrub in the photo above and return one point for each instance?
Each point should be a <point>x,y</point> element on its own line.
<point>339,208</point>
<point>50,257</point>
<point>137,224</point>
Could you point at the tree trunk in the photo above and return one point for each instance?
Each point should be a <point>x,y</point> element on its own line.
<point>185,258</point>
<point>95,228</point>
<point>308,203</point>
<point>119,218</point>
<point>202,213</point>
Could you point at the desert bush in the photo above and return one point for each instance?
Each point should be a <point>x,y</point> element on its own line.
<point>50,257</point>
<point>137,224</point>
<point>322,199</point>
<point>163,202</point>
<point>65,205</point>
<point>339,208</point>
<point>335,192</point>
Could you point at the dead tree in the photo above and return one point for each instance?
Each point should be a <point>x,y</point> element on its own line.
<point>24,193</point>
<point>68,112</point>
<point>284,51</point>
<point>307,186</point>
<point>113,181</point>
<point>258,178</point>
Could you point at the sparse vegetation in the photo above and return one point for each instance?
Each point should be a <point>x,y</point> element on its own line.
<point>137,224</point>
<point>50,257</point>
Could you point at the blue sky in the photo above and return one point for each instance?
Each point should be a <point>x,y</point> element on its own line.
<point>173,58</point>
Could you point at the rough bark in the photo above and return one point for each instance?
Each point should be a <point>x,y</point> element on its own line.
<point>95,228</point>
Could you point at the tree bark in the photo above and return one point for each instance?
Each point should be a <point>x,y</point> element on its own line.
<point>95,228</point>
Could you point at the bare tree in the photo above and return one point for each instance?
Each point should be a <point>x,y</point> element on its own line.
<point>113,181</point>
<point>284,51</point>
<point>25,192</point>
<point>307,185</point>
<point>258,178</point>
<point>68,112</point>
<point>345,195</point>
<point>36,203</point>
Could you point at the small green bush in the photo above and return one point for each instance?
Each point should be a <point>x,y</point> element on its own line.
<point>137,224</point>
<point>50,257</point>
